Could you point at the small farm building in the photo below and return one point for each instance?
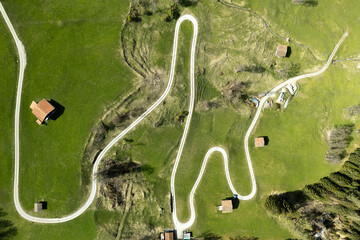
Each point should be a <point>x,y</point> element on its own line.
<point>38,207</point>
<point>259,142</point>
<point>226,206</point>
<point>42,110</point>
<point>281,50</point>
<point>167,235</point>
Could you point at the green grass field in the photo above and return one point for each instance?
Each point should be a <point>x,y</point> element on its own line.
<point>74,57</point>
<point>297,147</point>
<point>84,75</point>
<point>323,24</point>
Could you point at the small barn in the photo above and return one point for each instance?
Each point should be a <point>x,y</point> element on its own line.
<point>38,207</point>
<point>226,206</point>
<point>167,235</point>
<point>42,110</point>
<point>259,142</point>
<point>281,50</point>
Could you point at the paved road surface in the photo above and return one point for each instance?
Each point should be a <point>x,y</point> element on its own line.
<point>178,225</point>
<point>83,208</point>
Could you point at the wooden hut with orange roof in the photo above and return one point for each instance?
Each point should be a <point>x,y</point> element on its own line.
<point>42,110</point>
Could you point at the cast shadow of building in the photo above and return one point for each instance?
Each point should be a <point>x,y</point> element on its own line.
<point>235,201</point>
<point>288,52</point>
<point>59,110</point>
<point>266,140</point>
<point>44,205</point>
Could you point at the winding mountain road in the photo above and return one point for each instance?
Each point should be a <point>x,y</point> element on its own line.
<point>83,208</point>
<point>178,225</point>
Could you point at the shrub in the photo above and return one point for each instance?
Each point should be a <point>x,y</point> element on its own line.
<point>315,191</point>
<point>243,238</point>
<point>180,117</point>
<point>333,187</point>
<point>307,3</point>
<point>352,169</point>
<point>134,15</point>
<point>210,236</point>
<point>172,13</point>
<point>286,202</point>
<point>338,140</point>
<point>341,179</point>
<point>186,3</point>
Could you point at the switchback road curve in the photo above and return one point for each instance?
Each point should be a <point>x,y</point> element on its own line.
<point>178,225</point>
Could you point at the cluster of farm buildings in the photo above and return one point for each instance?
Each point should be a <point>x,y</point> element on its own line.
<point>281,51</point>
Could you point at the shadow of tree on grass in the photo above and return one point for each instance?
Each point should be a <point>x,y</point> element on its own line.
<point>7,228</point>
<point>210,236</point>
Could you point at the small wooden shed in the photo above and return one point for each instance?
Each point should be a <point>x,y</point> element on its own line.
<point>42,110</point>
<point>281,50</point>
<point>226,206</point>
<point>38,207</point>
<point>259,142</point>
<point>167,235</point>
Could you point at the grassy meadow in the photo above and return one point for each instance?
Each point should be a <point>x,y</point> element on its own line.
<point>75,58</point>
<point>318,27</point>
<point>84,75</point>
<point>295,155</point>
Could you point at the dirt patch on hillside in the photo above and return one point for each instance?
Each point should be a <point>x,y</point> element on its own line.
<point>338,140</point>
<point>124,189</point>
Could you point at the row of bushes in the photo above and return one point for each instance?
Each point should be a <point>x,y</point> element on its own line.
<point>147,7</point>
